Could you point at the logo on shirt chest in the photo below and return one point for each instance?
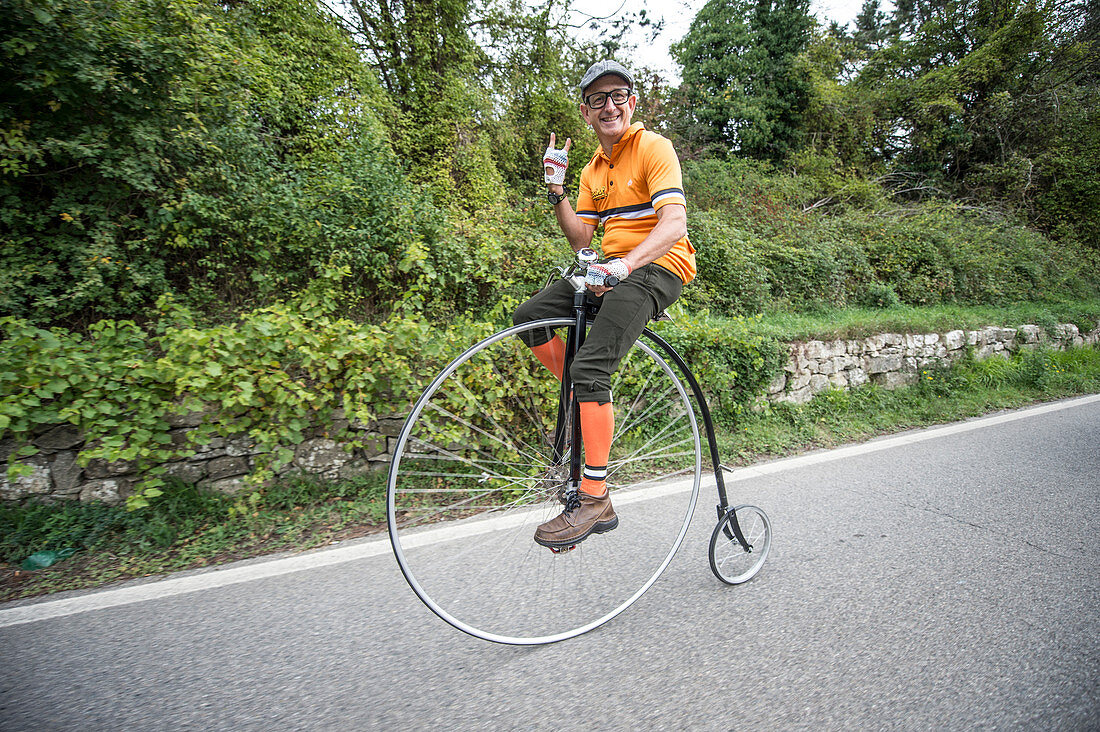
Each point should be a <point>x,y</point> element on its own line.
<point>599,194</point>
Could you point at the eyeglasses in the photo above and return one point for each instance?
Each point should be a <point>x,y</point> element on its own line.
<point>599,99</point>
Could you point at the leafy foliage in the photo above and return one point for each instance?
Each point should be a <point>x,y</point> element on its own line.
<point>187,147</point>
<point>738,60</point>
<point>731,361</point>
<point>178,513</point>
<point>759,250</point>
<point>272,375</point>
<point>994,101</point>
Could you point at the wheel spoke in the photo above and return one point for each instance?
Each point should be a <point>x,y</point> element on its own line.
<point>503,441</point>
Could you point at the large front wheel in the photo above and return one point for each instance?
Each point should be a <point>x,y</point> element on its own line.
<point>476,470</point>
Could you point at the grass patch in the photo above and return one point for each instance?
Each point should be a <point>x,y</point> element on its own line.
<point>182,529</point>
<point>862,322</point>
<point>187,528</point>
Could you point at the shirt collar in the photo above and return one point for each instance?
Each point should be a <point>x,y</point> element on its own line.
<point>618,147</point>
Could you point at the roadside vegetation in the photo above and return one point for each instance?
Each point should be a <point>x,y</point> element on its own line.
<point>847,323</point>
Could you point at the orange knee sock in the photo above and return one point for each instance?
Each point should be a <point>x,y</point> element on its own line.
<point>597,428</point>
<point>552,355</point>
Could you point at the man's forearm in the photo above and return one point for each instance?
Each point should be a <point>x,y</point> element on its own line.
<point>577,233</point>
<point>671,227</point>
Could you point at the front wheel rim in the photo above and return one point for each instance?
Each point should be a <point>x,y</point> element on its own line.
<point>648,395</point>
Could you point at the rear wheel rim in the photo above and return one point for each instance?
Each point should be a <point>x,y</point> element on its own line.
<point>728,559</point>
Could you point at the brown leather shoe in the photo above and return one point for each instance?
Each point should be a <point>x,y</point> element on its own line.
<point>583,515</point>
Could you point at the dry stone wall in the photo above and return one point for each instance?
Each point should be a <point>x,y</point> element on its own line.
<point>889,359</point>
<point>220,465</point>
<point>894,359</point>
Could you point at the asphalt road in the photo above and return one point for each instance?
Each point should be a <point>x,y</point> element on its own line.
<point>947,579</point>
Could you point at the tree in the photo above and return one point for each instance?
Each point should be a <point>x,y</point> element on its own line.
<point>739,73</point>
<point>479,85</point>
<point>840,122</point>
<point>870,32</point>
<point>217,151</point>
<point>533,65</point>
<point>994,100</point>
<point>426,58</point>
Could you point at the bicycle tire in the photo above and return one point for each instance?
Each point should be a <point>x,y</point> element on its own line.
<point>473,474</point>
<point>728,559</point>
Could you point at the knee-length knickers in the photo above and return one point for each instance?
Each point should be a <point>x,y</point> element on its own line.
<point>623,314</point>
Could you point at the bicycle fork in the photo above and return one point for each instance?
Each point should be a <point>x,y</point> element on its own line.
<point>723,506</point>
<point>567,433</point>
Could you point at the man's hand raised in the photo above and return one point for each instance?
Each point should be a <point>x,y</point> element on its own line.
<point>555,161</point>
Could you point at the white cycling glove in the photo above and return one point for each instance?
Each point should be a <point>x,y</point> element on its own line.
<point>599,273</point>
<point>554,163</point>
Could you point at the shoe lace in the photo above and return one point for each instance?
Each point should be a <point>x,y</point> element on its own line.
<point>572,501</point>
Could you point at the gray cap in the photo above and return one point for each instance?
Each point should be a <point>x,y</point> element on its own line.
<point>603,68</point>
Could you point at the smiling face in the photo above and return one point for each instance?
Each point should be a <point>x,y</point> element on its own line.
<point>611,121</point>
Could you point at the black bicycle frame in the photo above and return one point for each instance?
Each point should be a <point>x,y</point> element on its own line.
<point>568,403</point>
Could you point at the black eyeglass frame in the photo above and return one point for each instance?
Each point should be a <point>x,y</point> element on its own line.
<point>627,94</point>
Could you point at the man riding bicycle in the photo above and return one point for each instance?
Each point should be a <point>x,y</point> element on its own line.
<point>633,186</point>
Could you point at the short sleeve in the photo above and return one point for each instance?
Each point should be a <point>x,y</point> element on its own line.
<point>662,171</point>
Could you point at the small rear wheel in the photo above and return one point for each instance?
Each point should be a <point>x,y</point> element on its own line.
<point>729,560</point>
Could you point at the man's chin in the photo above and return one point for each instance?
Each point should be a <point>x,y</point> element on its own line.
<point>611,128</point>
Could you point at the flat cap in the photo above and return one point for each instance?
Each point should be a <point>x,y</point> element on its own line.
<point>603,68</point>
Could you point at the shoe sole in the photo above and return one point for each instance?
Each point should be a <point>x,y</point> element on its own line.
<point>597,528</point>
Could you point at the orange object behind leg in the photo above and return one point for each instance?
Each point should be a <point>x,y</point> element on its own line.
<point>597,429</point>
<point>552,355</point>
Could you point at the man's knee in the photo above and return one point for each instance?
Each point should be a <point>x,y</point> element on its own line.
<point>523,314</point>
<point>590,384</point>
<point>529,312</point>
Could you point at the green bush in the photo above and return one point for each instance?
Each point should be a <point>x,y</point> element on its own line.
<point>732,363</point>
<point>746,190</point>
<point>1074,370</point>
<point>275,374</point>
<point>480,267</point>
<point>877,295</point>
<point>272,374</point>
<point>223,153</point>
<point>731,277</point>
<point>180,512</point>
<point>924,254</point>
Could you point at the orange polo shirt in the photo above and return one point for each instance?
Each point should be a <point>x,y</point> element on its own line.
<point>625,190</point>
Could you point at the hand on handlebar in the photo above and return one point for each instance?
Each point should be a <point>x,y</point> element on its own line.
<point>602,277</point>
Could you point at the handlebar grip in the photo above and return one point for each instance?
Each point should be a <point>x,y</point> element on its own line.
<point>610,281</point>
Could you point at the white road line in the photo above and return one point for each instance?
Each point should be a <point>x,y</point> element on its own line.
<point>273,568</point>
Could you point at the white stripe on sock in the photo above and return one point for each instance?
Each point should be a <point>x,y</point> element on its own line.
<point>592,473</point>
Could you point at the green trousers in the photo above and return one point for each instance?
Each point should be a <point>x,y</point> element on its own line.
<point>623,314</point>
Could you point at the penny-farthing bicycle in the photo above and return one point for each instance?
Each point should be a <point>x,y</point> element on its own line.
<point>487,454</point>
